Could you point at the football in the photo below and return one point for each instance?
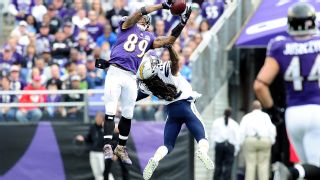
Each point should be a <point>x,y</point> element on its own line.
<point>178,7</point>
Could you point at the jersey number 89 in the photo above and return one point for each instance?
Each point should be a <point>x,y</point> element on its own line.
<point>132,41</point>
<point>293,73</point>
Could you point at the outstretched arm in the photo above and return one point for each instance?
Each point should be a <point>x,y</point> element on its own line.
<point>174,61</point>
<point>136,16</point>
<point>175,33</point>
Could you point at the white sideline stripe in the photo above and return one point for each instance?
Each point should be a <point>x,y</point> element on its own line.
<point>107,137</point>
<point>123,137</point>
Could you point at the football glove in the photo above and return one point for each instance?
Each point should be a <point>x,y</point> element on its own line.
<point>185,16</point>
<point>276,114</point>
<point>167,4</point>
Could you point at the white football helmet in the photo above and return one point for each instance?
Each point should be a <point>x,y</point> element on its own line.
<point>147,67</point>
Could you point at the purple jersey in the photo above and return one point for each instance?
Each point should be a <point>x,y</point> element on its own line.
<point>94,30</point>
<point>299,62</point>
<point>212,11</point>
<point>130,47</point>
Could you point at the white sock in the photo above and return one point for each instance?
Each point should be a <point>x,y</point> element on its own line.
<point>161,152</point>
<point>203,145</point>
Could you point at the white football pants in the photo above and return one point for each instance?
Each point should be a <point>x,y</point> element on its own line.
<point>120,84</point>
<point>303,126</point>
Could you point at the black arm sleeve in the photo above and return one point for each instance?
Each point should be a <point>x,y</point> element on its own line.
<point>141,95</point>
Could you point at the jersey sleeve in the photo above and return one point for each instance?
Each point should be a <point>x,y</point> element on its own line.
<point>123,19</point>
<point>273,46</point>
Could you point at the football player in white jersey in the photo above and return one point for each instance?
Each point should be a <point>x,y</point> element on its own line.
<point>164,81</point>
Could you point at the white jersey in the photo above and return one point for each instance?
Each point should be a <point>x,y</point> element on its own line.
<point>163,70</point>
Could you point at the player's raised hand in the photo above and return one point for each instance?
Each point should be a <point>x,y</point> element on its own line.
<point>167,4</point>
<point>185,16</point>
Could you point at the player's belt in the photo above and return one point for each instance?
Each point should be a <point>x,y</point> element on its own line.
<point>120,67</point>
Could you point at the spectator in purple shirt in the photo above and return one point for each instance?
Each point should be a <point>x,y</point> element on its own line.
<point>7,113</point>
<point>54,111</point>
<point>6,59</point>
<point>94,29</point>
<point>108,36</point>
<point>43,39</point>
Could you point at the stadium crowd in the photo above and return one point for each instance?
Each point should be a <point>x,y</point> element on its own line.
<point>54,43</point>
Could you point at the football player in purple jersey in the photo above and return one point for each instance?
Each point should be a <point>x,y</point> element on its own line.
<point>126,54</point>
<point>297,58</point>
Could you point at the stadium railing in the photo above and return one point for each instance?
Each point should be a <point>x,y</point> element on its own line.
<point>212,66</point>
<point>85,103</point>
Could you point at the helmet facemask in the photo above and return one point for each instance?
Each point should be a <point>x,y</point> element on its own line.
<point>302,19</point>
<point>144,23</point>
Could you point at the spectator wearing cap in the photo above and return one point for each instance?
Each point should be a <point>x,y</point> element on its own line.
<point>55,21</point>
<point>7,113</point>
<point>94,29</point>
<point>43,39</point>
<point>55,76</point>
<point>80,20</point>
<point>21,33</point>
<point>68,30</point>
<point>31,113</point>
<point>108,36</point>
<point>95,75</point>
<point>85,81</point>
<point>6,59</point>
<point>39,10</point>
<point>16,82</point>
<point>116,13</point>
<point>53,85</point>
<point>74,112</point>
<point>20,9</point>
<point>60,49</point>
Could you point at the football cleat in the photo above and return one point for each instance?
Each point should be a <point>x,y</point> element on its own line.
<point>122,153</point>
<point>205,159</point>
<point>107,151</point>
<point>149,169</point>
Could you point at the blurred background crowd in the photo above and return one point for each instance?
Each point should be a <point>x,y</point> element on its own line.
<point>53,45</point>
